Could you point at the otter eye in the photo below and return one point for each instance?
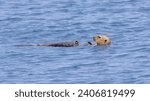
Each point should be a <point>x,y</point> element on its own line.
<point>105,40</point>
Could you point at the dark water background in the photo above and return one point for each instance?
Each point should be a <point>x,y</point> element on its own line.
<point>126,22</point>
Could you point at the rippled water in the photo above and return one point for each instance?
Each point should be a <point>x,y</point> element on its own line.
<point>126,22</point>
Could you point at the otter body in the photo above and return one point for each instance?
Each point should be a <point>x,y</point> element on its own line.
<point>61,44</point>
<point>98,40</point>
<point>58,44</point>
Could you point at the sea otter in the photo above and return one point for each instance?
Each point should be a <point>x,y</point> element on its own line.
<point>101,40</point>
<point>97,40</point>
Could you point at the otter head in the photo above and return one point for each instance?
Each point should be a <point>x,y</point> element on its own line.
<point>101,40</point>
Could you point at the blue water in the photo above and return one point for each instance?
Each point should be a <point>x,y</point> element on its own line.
<point>126,60</point>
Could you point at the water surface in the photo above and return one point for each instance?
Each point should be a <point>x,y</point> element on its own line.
<point>126,60</point>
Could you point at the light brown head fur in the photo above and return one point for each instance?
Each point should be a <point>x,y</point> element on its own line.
<point>101,40</point>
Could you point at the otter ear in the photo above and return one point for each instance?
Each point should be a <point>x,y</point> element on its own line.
<point>99,36</point>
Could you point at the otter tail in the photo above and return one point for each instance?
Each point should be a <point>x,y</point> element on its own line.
<point>26,45</point>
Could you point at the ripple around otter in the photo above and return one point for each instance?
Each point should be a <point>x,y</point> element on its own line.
<point>126,60</point>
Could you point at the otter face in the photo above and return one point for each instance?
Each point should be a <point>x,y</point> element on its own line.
<point>101,40</point>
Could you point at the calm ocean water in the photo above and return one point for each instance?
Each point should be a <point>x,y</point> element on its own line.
<point>126,22</point>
